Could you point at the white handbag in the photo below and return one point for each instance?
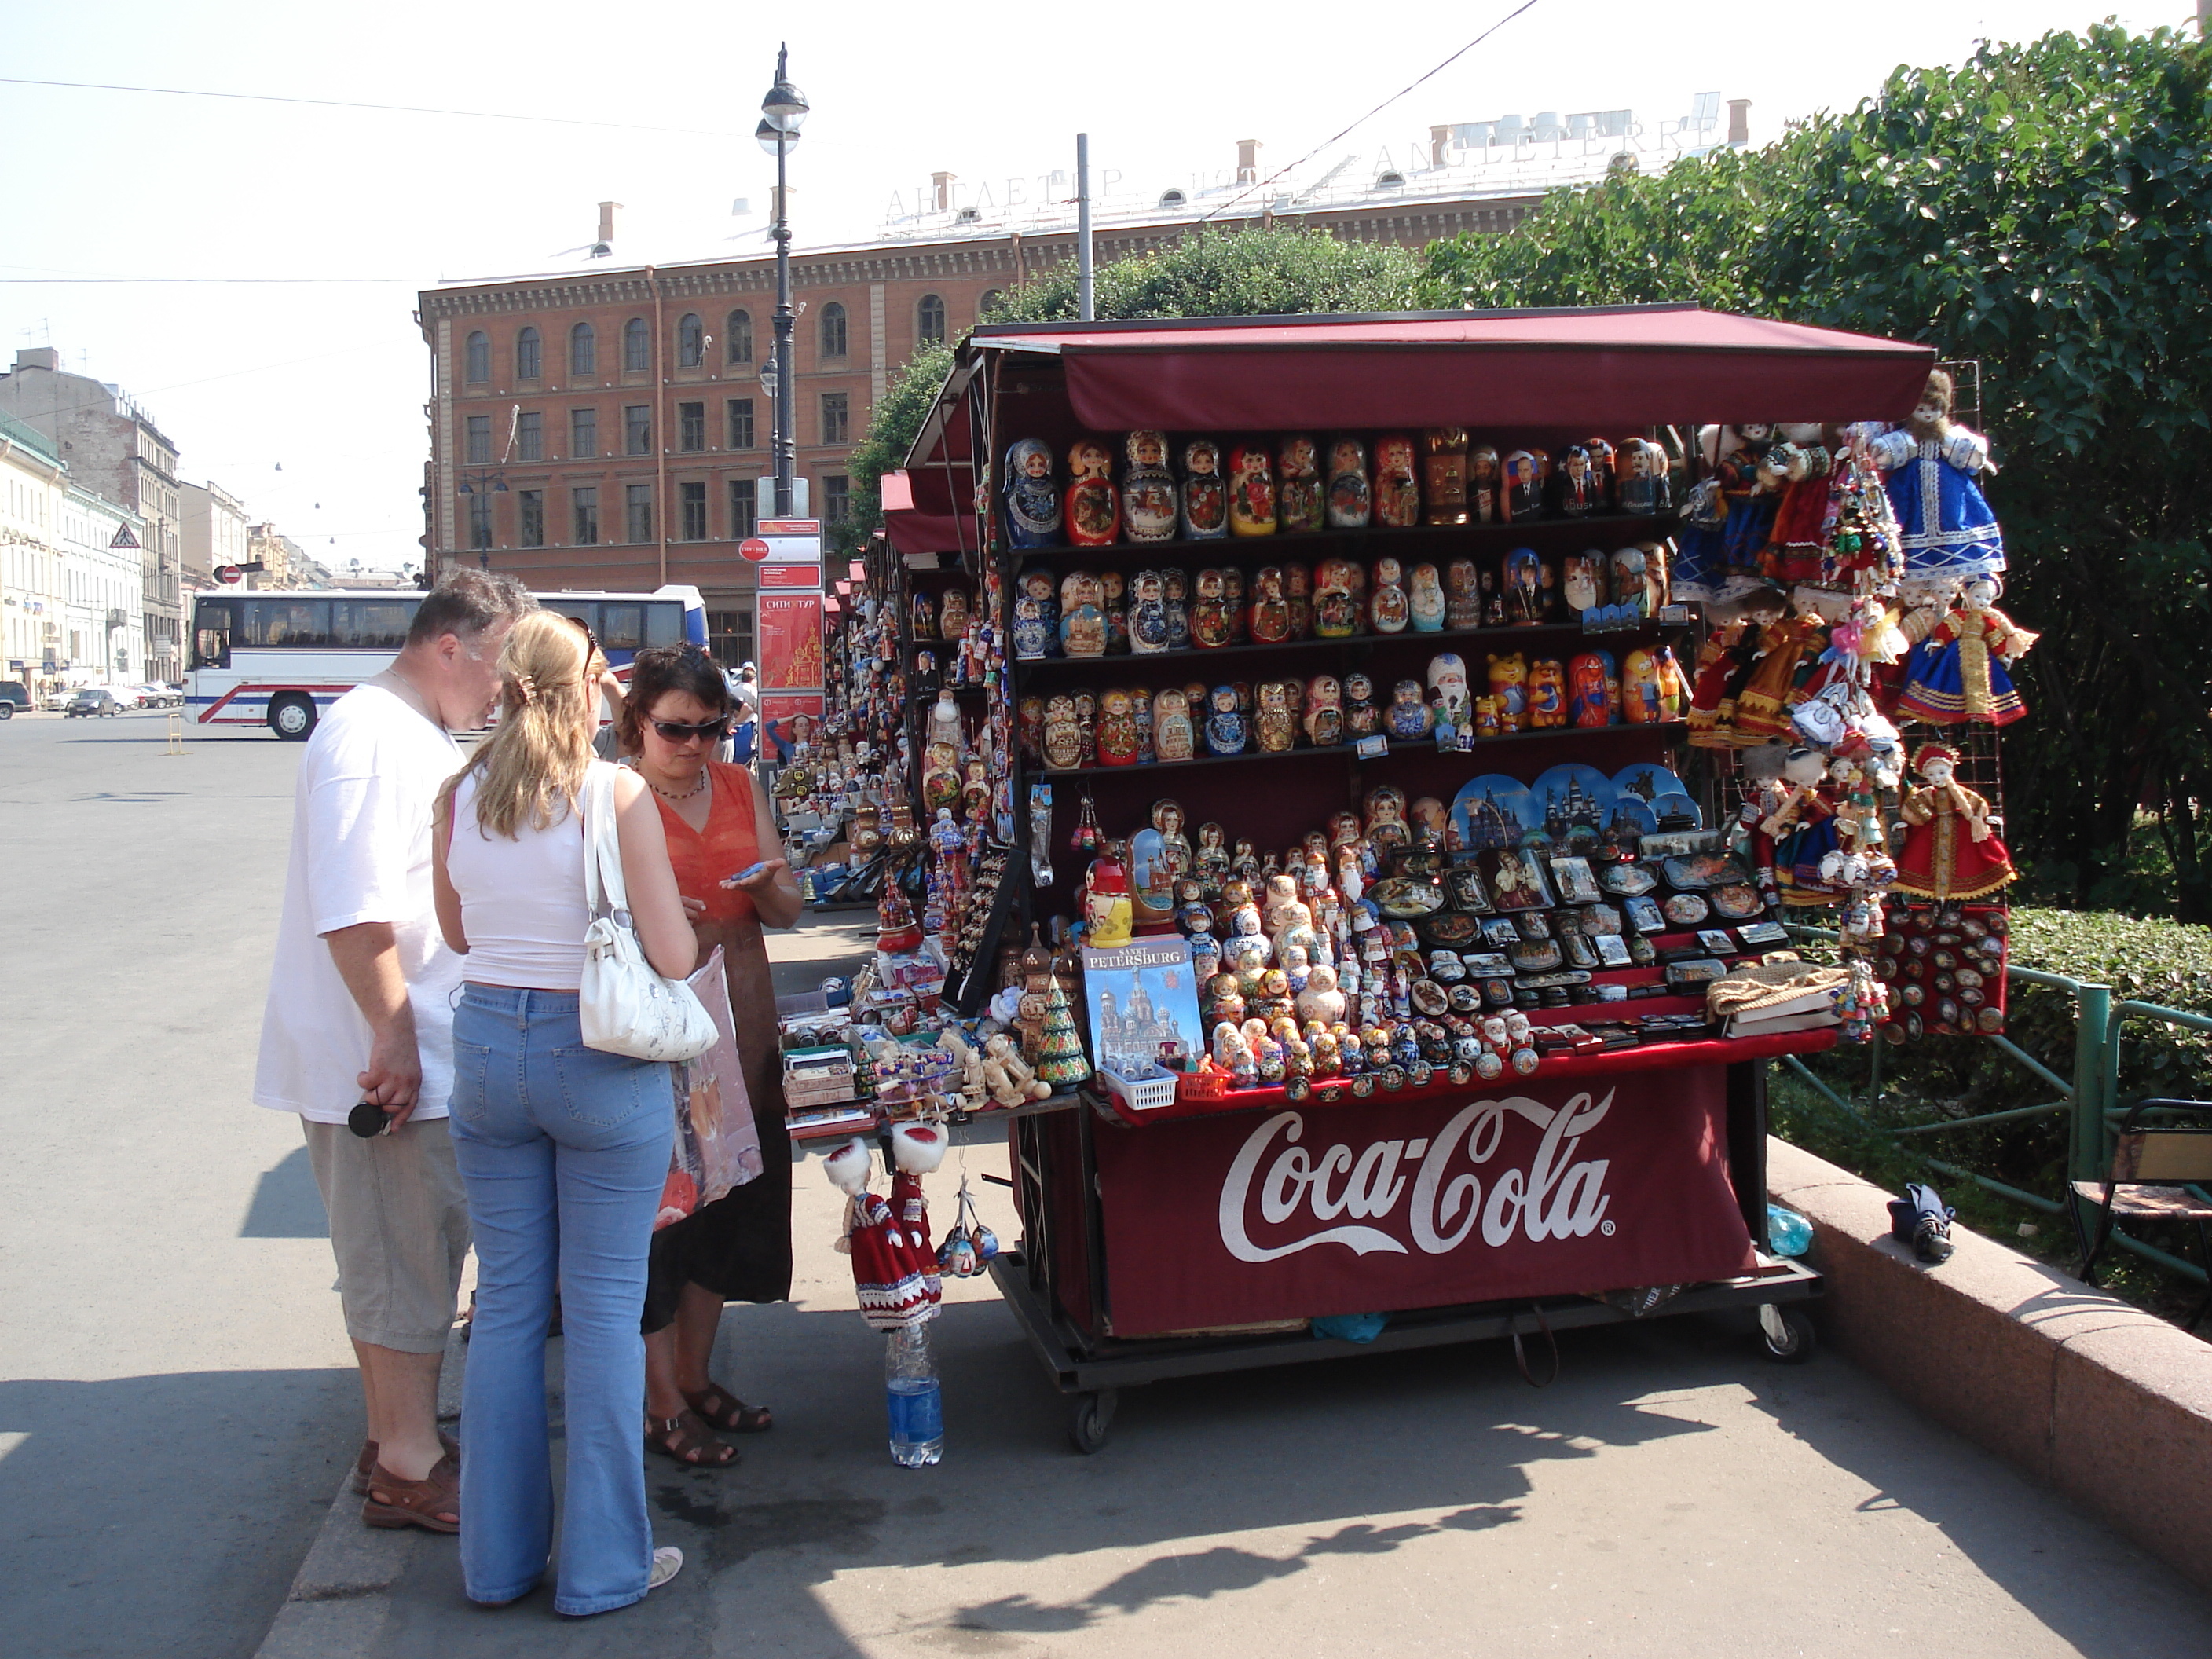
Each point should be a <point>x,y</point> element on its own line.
<point>625,1007</point>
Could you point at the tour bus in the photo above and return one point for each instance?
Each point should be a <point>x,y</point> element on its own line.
<point>278,659</point>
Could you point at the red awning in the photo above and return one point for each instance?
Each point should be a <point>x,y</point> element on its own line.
<point>911,529</point>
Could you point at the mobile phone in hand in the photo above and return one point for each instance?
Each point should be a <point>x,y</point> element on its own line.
<point>747,873</point>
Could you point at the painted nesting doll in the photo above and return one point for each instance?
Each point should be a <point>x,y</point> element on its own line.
<point>1362,718</point>
<point>1588,703</point>
<point>1298,487</point>
<point>1082,615</point>
<point>1030,499</point>
<point>1578,492</point>
<point>1275,722</point>
<point>1547,693</point>
<point>1204,497</point>
<point>1482,485</point>
<point>1093,509</point>
<point>1271,607</point>
<point>1232,586</point>
<point>1627,569</point>
<point>1388,609</point>
<point>1642,483</point>
<point>1336,604</point>
<point>1148,613</point>
<point>1224,722</point>
<point>1397,489</point>
<point>1425,597</point>
<point>1113,603</point>
<point>1173,739</point>
<point>1175,592</point>
<point>1036,616</point>
<point>1522,496</point>
<point>952,615</point>
<point>1350,501</point>
<point>1063,735</point>
<point>1462,594</point>
<point>1148,489</point>
<point>1209,613</point>
<point>1297,594</point>
<point>1251,489</point>
<point>1323,716</point>
<point>1443,474</point>
<point>1583,577</point>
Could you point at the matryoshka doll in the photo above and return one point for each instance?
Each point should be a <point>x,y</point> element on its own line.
<point>1361,717</point>
<point>1397,489</point>
<point>1117,727</point>
<point>1271,609</point>
<point>1409,714</point>
<point>1449,694</point>
<point>1209,615</point>
<point>1547,693</point>
<point>1484,480</point>
<point>1462,594</point>
<point>1509,687</point>
<point>952,615</point>
<point>1114,603</point>
<point>1093,508</point>
<point>1172,737</point>
<point>1336,611</point>
<point>1385,825</point>
<point>1086,726</point>
<point>1063,737</point>
<point>1175,597</point>
<point>1233,588</point>
<point>1443,474</point>
<point>1603,469</point>
<point>1297,594</point>
<point>1299,491</point>
<point>1627,570</point>
<point>1388,609</point>
<point>1148,614</point>
<point>1588,702</point>
<point>1251,489</point>
<point>1324,712</point>
<point>1426,600</point>
<point>1030,499</point>
<point>1658,575</point>
<point>1641,487</point>
<point>1028,727</point>
<point>1350,502</point>
<point>1225,722</point>
<point>1522,496</point>
<point>1275,721</point>
<point>1524,587</point>
<point>1082,615</point>
<point>1204,495</point>
<point>1583,578</point>
<point>922,617</point>
<point>1639,687</point>
<point>1148,489</point>
<point>1036,616</point>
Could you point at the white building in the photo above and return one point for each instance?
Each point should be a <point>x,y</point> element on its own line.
<point>103,565</point>
<point>71,573</point>
<point>32,481</point>
<point>212,531</point>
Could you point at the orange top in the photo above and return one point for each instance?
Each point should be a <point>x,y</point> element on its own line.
<point>731,841</point>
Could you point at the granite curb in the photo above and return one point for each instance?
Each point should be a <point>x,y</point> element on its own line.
<point>2107,1405</point>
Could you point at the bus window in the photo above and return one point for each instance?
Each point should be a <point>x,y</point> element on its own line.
<point>663,622</point>
<point>622,627</point>
<point>371,624</point>
<point>284,621</point>
<point>211,635</point>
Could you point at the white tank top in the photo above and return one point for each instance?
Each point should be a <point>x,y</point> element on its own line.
<point>522,901</point>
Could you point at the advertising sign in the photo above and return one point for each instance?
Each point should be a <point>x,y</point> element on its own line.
<point>789,541</point>
<point>790,634</point>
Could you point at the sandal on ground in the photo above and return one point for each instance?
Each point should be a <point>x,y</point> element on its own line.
<point>718,1408</point>
<point>667,1562</point>
<point>366,1464</point>
<point>434,1503</point>
<point>684,1439</point>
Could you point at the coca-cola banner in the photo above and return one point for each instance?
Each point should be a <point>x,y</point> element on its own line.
<point>1376,1206</point>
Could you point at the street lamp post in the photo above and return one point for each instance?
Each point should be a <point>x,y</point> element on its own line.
<point>783,111</point>
<point>483,482</point>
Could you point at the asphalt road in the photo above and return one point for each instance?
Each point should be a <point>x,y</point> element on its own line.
<point>176,1407</point>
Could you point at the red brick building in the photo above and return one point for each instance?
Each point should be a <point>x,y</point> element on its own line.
<point>607,428</point>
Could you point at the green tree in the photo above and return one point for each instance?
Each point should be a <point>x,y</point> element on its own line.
<point>893,425</point>
<point>2044,209</point>
<point>1231,273</point>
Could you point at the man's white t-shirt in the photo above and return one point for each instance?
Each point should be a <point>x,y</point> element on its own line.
<point>361,852</point>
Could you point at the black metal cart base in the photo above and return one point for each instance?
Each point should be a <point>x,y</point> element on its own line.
<point>1092,1374</point>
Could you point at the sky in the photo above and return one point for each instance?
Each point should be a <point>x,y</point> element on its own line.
<point>278,348</point>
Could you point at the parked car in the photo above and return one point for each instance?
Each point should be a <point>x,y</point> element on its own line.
<point>14,695</point>
<point>92,700</point>
<point>154,694</point>
<point>54,702</point>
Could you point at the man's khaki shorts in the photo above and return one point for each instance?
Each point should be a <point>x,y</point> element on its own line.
<point>400,1227</point>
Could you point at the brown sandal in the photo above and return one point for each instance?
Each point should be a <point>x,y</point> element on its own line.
<point>434,1503</point>
<point>364,1465</point>
<point>718,1408</point>
<point>684,1439</point>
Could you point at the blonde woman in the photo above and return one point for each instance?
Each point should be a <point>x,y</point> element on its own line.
<point>563,1149</point>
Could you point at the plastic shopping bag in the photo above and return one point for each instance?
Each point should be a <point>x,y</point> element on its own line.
<point>716,1103</point>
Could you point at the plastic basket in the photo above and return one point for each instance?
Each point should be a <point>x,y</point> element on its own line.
<point>1148,1095</point>
<point>1202,1086</point>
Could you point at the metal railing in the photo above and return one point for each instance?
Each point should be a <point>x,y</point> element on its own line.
<point>2092,1099</point>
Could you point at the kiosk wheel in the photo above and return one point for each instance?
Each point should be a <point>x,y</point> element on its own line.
<point>1785,1334</point>
<point>1089,1417</point>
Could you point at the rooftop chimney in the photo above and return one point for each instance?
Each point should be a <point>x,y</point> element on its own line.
<point>1248,160</point>
<point>1738,120</point>
<point>940,192</point>
<point>38,357</point>
<point>603,246</point>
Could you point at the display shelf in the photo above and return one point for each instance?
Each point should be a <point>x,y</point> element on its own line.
<point>1665,732</point>
<point>1059,668</point>
<point>1431,541</point>
<point>812,1134</point>
<point>1337,1092</point>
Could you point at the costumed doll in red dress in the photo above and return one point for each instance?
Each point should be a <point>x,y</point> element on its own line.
<point>1950,853</point>
<point>1959,672</point>
<point>1799,538</point>
<point>1723,664</point>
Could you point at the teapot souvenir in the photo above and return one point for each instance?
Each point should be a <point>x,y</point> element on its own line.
<point>1172,737</point>
<point>1298,493</point>
<point>1522,497</point>
<point>1397,492</point>
<point>1324,712</point>
<point>1443,474</point>
<point>1350,501</point>
<point>1093,508</point>
<point>1148,613</point>
<point>1082,615</point>
<point>1251,489</point>
<point>1462,594</point>
<point>1037,615</point>
<point>1426,600</point>
<point>1148,489</point>
<point>1224,723</point>
<point>1388,609</point>
<point>1271,608</point>
<point>1030,500</point>
<point>1204,497</point>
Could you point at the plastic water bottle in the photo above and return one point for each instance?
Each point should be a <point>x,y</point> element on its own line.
<point>1788,1233</point>
<point>914,1399</point>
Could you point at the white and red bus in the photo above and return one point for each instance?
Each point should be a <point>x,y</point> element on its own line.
<point>279,658</point>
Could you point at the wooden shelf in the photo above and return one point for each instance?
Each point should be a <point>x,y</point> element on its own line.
<point>1666,733</point>
<point>1431,541</point>
<point>1527,634</point>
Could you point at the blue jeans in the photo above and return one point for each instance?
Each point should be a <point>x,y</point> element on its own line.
<point>564,1151</point>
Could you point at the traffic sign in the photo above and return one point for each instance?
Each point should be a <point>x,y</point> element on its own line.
<point>229,573</point>
<point>753,548</point>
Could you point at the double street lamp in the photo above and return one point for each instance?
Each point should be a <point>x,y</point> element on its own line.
<point>783,111</point>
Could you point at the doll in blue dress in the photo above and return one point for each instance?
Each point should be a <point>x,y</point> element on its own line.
<point>1946,529</point>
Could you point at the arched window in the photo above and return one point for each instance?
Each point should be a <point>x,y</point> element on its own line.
<point>833,330</point>
<point>528,355</point>
<point>637,347</point>
<point>989,302</point>
<point>478,364</point>
<point>929,320</point>
<point>583,351</point>
<point>738,336</point>
<point>691,341</point>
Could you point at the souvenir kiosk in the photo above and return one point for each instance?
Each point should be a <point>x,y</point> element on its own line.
<point>1190,1229</point>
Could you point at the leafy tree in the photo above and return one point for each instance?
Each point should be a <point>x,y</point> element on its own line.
<point>893,425</point>
<point>2045,209</point>
<point>1231,273</point>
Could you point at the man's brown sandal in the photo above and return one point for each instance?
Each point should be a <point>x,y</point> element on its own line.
<point>684,1439</point>
<point>365,1462</point>
<point>718,1408</point>
<point>433,1503</point>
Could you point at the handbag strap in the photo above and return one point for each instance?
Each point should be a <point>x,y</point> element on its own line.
<point>604,892</point>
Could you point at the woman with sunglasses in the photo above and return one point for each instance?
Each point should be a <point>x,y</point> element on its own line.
<point>738,1248</point>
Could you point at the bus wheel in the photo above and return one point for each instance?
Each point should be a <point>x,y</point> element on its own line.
<point>292,716</point>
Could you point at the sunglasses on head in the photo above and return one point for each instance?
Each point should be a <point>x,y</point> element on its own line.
<point>677,732</point>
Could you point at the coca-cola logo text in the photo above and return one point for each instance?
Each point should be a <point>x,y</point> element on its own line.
<point>1440,1184</point>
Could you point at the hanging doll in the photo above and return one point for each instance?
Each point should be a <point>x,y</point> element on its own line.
<point>1762,707</point>
<point>1724,666</point>
<point>1944,522</point>
<point>1795,545</point>
<point>1959,672</point>
<point>1803,830</point>
<point>1950,852</point>
<point>1724,522</point>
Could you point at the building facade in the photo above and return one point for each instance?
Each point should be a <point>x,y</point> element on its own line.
<point>212,532</point>
<point>113,449</point>
<point>71,573</point>
<point>283,561</point>
<point>609,428</point>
